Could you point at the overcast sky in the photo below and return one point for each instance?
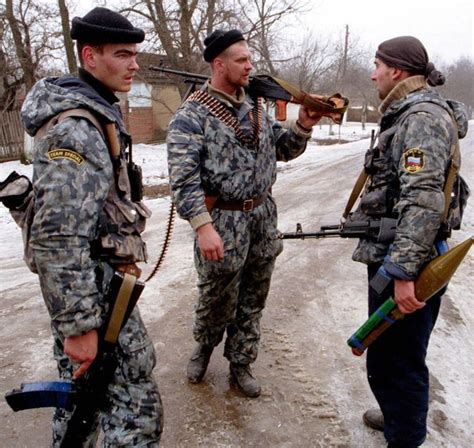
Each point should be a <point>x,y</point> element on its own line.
<point>445,27</point>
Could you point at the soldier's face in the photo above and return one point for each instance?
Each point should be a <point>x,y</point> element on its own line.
<point>236,65</point>
<point>383,76</point>
<point>114,65</point>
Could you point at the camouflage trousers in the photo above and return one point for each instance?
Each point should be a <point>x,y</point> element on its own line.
<point>134,416</point>
<point>233,292</point>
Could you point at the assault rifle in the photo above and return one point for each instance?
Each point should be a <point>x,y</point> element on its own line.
<point>277,90</point>
<point>86,396</point>
<point>380,230</point>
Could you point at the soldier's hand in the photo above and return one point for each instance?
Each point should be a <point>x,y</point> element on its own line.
<point>82,350</point>
<point>405,297</point>
<point>308,118</point>
<point>210,243</point>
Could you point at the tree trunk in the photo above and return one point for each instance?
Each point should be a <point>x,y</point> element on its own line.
<point>68,43</point>
<point>22,51</point>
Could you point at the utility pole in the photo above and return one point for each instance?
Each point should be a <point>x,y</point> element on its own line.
<point>346,48</point>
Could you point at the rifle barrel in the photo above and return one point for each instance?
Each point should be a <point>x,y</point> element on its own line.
<point>186,75</point>
<point>303,235</point>
<point>259,85</point>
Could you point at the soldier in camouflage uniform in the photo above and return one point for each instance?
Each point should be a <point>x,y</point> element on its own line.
<point>407,171</point>
<point>86,225</point>
<point>222,154</point>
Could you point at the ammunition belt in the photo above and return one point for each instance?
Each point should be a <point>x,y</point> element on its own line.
<point>216,108</point>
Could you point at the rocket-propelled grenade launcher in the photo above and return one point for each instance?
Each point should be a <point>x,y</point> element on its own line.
<point>435,276</point>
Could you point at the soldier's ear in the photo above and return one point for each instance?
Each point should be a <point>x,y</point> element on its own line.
<point>88,56</point>
<point>218,64</point>
<point>398,74</point>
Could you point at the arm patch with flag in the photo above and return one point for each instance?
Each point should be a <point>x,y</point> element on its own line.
<point>413,160</point>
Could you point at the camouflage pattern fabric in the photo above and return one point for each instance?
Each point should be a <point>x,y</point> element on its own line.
<point>232,292</point>
<point>206,157</point>
<point>134,416</point>
<point>78,201</point>
<point>407,172</point>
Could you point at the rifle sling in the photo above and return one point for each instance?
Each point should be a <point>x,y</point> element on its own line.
<point>321,104</point>
<point>451,176</point>
<point>355,193</point>
<point>448,185</point>
<point>107,130</point>
<point>120,308</point>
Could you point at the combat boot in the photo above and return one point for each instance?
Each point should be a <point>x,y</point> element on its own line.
<point>373,418</point>
<point>242,374</point>
<point>198,363</point>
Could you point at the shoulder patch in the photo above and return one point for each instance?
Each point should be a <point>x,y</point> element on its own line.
<point>413,160</point>
<point>59,153</point>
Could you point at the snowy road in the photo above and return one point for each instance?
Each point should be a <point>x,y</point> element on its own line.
<point>314,389</point>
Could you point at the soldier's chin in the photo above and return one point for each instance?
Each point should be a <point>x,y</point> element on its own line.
<point>124,88</point>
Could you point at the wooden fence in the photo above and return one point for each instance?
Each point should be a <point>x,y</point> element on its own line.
<point>12,136</point>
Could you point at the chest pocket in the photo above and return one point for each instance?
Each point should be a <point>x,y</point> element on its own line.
<point>122,223</point>
<point>381,190</point>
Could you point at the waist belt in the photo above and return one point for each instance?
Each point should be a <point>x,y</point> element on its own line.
<point>244,206</point>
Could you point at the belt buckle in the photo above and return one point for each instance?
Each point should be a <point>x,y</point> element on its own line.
<point>247,205</point>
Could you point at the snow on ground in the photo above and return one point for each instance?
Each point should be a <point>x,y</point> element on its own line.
<point>152,158</point>
<point>320,180</point>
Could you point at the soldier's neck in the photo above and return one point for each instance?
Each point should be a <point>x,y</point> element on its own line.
<point>401,90</point>
<point>236,99</point>
<point>98,86</point>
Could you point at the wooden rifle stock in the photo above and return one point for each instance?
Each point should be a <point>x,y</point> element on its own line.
<point>281,110</point>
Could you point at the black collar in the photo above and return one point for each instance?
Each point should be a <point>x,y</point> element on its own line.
<point>98,86</point>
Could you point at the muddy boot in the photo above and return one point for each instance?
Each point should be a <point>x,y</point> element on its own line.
<point>198,363</point>
<point>242,374</point>
<point>373,418</point>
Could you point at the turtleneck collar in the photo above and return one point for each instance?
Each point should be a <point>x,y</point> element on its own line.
<point>98,86</point>
<point>402,89</point>
<point>235,101</point>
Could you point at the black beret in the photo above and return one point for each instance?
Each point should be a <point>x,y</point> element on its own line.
<point>103,26</point>
<point>218,41</point>
<point>408,53</point>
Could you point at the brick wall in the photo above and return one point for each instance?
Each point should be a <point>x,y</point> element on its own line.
<point>139,122</point>
<point>149,124</point>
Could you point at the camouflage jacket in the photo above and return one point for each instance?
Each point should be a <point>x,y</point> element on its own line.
<point>407,170</point>
<point>206,157</point>
<point>83,213</point>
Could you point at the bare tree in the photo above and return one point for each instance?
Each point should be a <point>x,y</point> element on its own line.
<point>68,44</point>
<point>180,26</point>
<point>21,37</point>
<point>263,22</point>
<point>459,85</point>
<point>312,64</point>
<point>10,81</point>
<point>30,45</point>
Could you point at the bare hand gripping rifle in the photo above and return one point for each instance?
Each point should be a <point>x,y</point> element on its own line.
<point>85,396</point>
<point>278,90</point>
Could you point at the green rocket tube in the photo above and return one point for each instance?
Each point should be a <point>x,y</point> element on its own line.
<point>435,276</point>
